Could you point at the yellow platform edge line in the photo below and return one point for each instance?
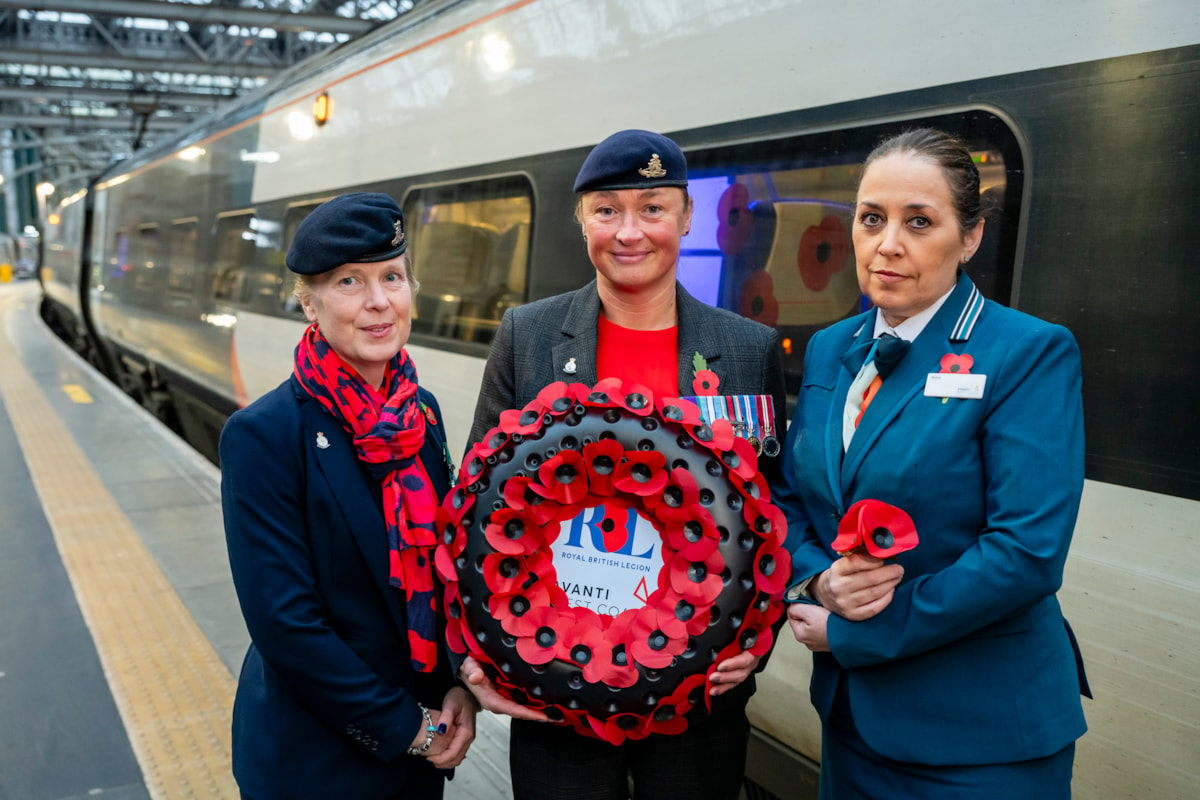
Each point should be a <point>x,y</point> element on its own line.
<point>173,692</point>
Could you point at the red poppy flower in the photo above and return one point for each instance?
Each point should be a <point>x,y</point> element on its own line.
<point>756,488</point>
<point>740,459</point>
<point>565,476</point>
<point>680,499</point>
<point>605,394</point>
<point>457,503</point>
<point>544,642</point>
<point>602,459</point>
<point>532,499</point>
<point>755,636</point>
<point>586,646</point>
<point>504,573</point>
<point>638,399</point>
<point>767,521</point>
<point>698,582</point>
<point>454,636</point>
<point>690,691</point>
<point>823,252</point>
<point>451,534</point>
<point>444,563</point>
<point>882,529</point>
<point>717,436</point>
<point>513,611</point>
<point>956,363</point>
<point>523,421</point>
<point>695,538</point>
<point>556,398</point>
<point>757,298</point>
<point>512,532</point>
<point>772,570</point>
<point>616,729</point>
<point>694,618</point>
<point>642,473</point>
<point>705,383</point>
<point>648,644</point>
<point>677,409</point>
<point>735,223</point>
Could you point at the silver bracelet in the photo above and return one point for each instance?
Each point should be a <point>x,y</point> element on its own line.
<point>430,730</point>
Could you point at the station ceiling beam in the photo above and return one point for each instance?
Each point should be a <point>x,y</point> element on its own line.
<point>205,14</point>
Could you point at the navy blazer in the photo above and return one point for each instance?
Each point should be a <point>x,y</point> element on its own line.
<point>327,701</point>
<point>972,662</point>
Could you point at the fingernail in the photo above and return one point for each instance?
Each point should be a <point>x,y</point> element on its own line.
<point>442,728</point>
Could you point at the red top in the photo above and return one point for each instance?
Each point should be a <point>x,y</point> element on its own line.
<point>650,358</point>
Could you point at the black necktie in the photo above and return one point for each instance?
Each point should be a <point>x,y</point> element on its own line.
<point>887,355</point>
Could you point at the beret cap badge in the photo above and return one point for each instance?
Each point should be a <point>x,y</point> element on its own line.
<point>654,169</point>
<point>398,239</point>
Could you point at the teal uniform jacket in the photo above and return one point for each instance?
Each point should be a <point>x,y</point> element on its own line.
<point>972,662</point>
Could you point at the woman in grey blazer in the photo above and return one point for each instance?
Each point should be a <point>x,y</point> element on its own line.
<point>635,322</point>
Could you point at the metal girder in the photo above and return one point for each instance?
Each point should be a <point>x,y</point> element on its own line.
<point>134,64</point>
<point>40,94</point>
<point>80,121</point>
<point>205,14</point>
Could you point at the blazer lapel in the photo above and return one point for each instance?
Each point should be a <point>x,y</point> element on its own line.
<point>907,380</point>
<point>694,337</point>
<point>339,465</point>
<point>834,457</point>
<point>579,326</point>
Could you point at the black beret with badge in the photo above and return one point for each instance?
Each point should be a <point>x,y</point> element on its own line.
<point>351,228</point>
<point>632,159</point>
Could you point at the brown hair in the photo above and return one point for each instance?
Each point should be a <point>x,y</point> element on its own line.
<point>949,153</point>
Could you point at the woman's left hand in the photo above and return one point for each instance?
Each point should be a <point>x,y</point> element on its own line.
<point>809,625</point>
<point>456,729</point>
<point>732,671</point>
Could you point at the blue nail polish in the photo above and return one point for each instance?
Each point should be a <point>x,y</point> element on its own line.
<point>442,728</point>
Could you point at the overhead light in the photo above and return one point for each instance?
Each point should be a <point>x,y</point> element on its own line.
<point>45,189</point>
<point>191,153</point>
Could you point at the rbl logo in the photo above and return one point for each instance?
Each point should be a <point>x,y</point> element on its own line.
<point>615,531</point>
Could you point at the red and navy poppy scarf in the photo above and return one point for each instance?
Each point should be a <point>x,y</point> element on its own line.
<point>388,430</point>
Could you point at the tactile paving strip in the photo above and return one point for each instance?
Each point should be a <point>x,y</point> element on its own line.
<point>174,694</point>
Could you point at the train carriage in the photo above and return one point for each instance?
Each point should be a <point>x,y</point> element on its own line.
<point>475,116</point>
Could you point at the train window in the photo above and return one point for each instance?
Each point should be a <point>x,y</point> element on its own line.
<point>470,250</point>
<point>287,281</point>
<point>144,257</point>
<point>235,255</point>
<point>771,226</point>
<point>181,255</point>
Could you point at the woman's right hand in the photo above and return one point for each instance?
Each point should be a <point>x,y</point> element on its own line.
<point>857,586</point>
<point>485,692</point>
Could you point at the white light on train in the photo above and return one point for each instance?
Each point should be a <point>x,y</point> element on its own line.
<point>301,126</point>
<point>220,320</point>
<point>45,189</point>
<point>191,153</point>
<point>1,180</point>
<point>497,53</point>
<point>265,157</point>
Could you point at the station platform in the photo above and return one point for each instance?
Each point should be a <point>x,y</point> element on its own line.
<point>120,633</point>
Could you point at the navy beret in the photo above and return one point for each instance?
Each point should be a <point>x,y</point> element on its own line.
<point>356,227</point>
<point>632,159</point>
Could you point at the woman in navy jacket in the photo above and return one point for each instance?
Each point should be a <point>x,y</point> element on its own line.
<point>328,485</point>
<point>949,670</point>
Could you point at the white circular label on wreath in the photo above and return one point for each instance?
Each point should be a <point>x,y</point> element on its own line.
<point>608,559</point>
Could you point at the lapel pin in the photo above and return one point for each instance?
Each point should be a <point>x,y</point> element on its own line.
<point>322,442</point>
<point>569,367</point>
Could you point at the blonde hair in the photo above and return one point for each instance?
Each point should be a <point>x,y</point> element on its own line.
<point>305,284</point>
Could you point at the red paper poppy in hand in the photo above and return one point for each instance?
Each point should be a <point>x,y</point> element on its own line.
<point>882,529</point>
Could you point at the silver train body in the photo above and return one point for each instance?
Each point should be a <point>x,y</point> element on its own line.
<point>168,271</point>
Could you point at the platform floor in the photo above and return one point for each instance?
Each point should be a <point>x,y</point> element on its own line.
<point>120,634</point>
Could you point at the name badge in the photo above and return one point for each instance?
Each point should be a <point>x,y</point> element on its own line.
<point>949,384</point>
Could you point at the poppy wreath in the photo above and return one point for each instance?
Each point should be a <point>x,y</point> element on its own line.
<point>575,448</point>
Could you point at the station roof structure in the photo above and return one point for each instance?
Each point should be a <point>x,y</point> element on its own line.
<point>83,82</point>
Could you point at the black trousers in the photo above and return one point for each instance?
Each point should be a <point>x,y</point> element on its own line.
<point>705,762</point>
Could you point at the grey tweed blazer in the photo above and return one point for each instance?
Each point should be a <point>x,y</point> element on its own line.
<point>536,340</point>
